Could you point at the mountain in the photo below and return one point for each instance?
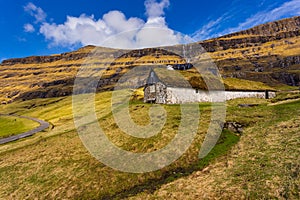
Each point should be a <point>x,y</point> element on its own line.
<point>268,53</point>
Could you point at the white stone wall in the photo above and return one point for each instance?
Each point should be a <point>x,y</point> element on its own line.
<point>248,94</point>
<point>187,95</point>
<point>272,95</point>
<point>161,93</point>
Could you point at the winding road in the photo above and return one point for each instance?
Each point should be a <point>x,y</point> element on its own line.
<point>43,126</point>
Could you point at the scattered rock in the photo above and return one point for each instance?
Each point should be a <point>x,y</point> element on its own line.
<point>234,127</point>
<point>247,105</point>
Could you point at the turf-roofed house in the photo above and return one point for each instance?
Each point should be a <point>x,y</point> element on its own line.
<point>168,86</point>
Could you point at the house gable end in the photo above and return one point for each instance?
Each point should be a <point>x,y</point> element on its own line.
<point>152,78</point>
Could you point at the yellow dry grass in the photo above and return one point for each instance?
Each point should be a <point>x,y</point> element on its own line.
<point>264,165</point>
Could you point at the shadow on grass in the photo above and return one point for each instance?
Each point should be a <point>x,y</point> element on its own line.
<point>225,142</point>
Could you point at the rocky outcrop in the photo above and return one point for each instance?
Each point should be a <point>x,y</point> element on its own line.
<point>256,36</point>
<point>220,44</point>
<point>45,59</point>
<point>155,52</point>
<point>46,93</point>
<point>234,127</point>
<point>272,68</point>
<point>292,79</point>
<point>290,26</point>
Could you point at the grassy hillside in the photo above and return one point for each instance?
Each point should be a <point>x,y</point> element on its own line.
<point>263,165</point>
<point>13,125</point>
<point>61,167</point>
<point>262,162</point>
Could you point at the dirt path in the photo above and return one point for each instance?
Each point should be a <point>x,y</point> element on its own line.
<point>43,126</point>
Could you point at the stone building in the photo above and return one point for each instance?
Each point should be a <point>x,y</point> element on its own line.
<point>169,87</point>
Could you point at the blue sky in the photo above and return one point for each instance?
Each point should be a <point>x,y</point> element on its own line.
<point>42,27</point>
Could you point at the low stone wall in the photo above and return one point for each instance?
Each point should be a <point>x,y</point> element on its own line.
<point>187,95</point>
<point>249,94</point>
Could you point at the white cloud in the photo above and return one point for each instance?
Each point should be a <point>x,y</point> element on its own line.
<point>113,29</point>
<point>29,28</point>
<point>36,12</point>
<point>287,9</point>
<point>207,30</point>
<point>155,9</point>
<point>87,30</point>
<point>155,32</point>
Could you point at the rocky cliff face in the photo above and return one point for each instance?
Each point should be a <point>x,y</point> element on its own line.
<point>273,31</point>
<point>45,59</point>
<point>290,26</point>
<point>268,53</point>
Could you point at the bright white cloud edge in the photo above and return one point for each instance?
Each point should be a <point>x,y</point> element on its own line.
<point>116,31</point>
<point>36,12</point>
<point>113,29</point>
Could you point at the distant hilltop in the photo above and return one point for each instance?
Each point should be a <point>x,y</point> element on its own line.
<point>268,53</point>
<point>282,28</point>
<point>272,31</point>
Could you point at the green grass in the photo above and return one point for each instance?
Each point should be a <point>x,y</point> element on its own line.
<point>286,87</point>
<point>63,164</point>
<point>282,96</point>
<point>10,125</point>
<point>61,167</point>
<point>242,84</point>
<point>263,165</point>
<point>225,143</point>
<point>268,163</point>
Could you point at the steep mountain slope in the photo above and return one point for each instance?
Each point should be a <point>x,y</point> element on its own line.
<point>268,53</point>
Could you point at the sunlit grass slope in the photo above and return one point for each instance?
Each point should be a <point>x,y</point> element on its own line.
<point>61,167</point>
<point>10,125</point>
<point>263,165</point>
<point>55,164</point>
